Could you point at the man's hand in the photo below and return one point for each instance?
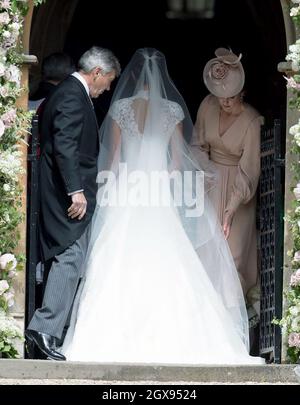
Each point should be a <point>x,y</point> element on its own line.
<point>227,225</point>
<point>78,207</point>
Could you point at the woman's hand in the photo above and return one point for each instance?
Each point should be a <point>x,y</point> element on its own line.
<point>227,225</point>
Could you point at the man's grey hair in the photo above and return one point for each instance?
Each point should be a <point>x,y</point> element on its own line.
<point>99,57</point>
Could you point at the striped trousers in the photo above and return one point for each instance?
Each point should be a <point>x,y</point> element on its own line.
<point>63,279</point>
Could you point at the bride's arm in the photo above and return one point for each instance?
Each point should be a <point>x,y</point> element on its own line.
<point>176,146</point>
<point>115,145</point>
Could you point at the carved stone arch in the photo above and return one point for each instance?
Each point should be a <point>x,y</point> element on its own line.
<point>290,30</point>
<point>49,28</point>
<point>46,32</point>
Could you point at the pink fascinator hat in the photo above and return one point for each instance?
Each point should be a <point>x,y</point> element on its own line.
<point>224,75</point>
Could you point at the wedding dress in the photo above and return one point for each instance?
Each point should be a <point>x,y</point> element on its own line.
<point>160,286</point>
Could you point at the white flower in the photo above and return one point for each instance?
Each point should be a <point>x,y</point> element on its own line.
<point>6,34</point>
<point>294,54</point>
<point>291,83</point>
<point>15,26</point>
<point>9,298</point>
<point>12,274</point>
<point>295,325</point>
<point>8,259</point>
<point>294,340</point>
<point>295,66</point>
<point>284,330</point>
<point>16,18</point>
<point>14,35</point>
<point>13,74</point>
<point>297,139</point>
<point>10,164</point>
<point>3,286</point>
<point>294,310</point>
<point>6,187</point>
<point>2,70</point>
<point>5,4</point>
<point>294,48</point>
<point>295,129</point>
<point>297,256</point>
<point>295,11</point>
<point>9,330</point>
<point>297,192</point>
<point>2,128</point>
<point>296,1</point>
<point>8,91</point>
<point>4,91</point>
<point>15,30</point>
<point>3,52</point>
<point>4,18</point>
<point>9,117</point>
<point>8,42</point>
<point>7,217</point>
<point>295,280</point>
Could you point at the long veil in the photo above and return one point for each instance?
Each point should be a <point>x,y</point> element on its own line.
<point>147,142</point>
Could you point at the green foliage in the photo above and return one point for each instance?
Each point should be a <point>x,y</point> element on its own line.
<point>290,322</point>
<point>14,124</point>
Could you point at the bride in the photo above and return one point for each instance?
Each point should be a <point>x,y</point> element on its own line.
<point>160,284</point>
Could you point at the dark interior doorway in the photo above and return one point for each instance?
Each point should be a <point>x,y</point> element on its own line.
<point>253,28</point>
<point>187,36</point>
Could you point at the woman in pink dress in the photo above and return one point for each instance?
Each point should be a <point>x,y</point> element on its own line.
<point>228,130</point>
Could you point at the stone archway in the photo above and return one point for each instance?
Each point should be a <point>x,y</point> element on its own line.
<point>35,42</point>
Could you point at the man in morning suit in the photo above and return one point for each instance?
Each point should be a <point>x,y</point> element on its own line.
<point>68,170</point>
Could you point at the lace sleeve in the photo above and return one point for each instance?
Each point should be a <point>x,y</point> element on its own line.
<point>115,112</point>
<point>177,113</point>
<point>121,112</point>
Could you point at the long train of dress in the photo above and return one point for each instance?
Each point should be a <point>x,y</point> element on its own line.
<point>147,298</point>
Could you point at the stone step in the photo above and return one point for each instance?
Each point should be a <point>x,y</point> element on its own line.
<point>50,382</point>
<point>51,370</point>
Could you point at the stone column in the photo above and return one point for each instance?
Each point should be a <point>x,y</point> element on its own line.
<point>18,310</point>
<point>292,117</point>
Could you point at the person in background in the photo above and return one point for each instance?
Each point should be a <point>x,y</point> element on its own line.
<point>55,68</point>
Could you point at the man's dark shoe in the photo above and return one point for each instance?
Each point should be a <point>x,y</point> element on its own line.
<point>46,344</point>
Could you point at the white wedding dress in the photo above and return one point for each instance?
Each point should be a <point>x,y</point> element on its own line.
<point>147,296</point>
